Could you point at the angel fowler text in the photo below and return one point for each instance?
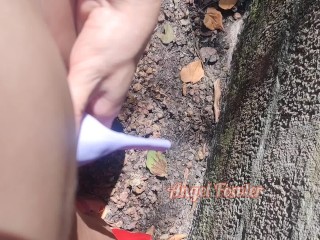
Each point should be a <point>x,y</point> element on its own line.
<point>221,190</point>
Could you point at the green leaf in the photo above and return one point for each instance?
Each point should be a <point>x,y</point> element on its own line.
<point>157,164</point>
<point>168,35</point>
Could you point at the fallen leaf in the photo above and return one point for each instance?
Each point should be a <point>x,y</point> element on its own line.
<point>193,72</point>
<point>217,97</point>
<point>237,16</point>
<point>227,4</point>
<point>178,237</point>
<point>213,19</point>
<point>157,164</point>
<point>184,89</point>
<point>151,231</point>
<point>164,236</point>
<point>118,224</point>
<point>105,212</point>
<point>186,176</point>
<point>201,155</point>
<point>168,35</point>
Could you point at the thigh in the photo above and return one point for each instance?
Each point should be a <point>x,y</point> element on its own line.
<point>59,15</point>
<point>37,140</point>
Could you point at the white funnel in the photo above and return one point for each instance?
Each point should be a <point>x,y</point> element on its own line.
<point>96,140</point>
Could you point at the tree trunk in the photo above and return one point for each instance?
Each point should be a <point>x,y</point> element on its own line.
<point>269,135</point>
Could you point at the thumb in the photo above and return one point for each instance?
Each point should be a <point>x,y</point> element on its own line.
<point>80,90</point>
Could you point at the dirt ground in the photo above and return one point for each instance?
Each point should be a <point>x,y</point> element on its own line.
<point>157,107</point>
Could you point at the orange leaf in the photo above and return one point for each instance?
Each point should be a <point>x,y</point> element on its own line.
<point>227,4</point>
<point>184,89</point>
<point>193,72</point>
<point>213,19</point>
<point>217,97</point>
<point>178,237</point>
<point>151,230</point>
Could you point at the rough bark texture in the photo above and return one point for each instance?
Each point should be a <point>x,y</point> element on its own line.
<point>270,133</point>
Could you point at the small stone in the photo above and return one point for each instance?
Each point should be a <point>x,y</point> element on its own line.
<point>209,98</point>
<point>164,237</point>
<point>197,20</point>
<point>237,16</point>
<point>184,89</point>
<point>189,165</point>
<point>149,106</point>
<point>119,224</point>
<point>161,18</point>
<point>184,22</point>
<point>160,115</point>
<point>131,211</point>
<point>189,112</point>
<point>213,59</point>
<point>131,226</point>
<point>139,189</point>
<point>179,14</point>
<point>172,230</point>
<point>114,199</point>
<point>149,70</point>
<point>207,53</point>
<point>168,14</point>
<point>208,109</point>
<point>176,174</point>
<point>124,197</point>
<point>135,182</point>
<point>196,99</point>
<point>120,205</point>
<point>202,86</point>
<point>137,87</point>
<point>201,155</point>
<point>152,198</point>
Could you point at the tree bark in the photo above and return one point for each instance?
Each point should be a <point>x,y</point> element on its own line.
<point>269,135</point>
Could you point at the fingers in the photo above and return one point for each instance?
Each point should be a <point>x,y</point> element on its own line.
<point>84,8</point>
<point>80,93</point>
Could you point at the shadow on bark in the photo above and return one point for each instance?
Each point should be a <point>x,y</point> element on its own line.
<point>269,133</point>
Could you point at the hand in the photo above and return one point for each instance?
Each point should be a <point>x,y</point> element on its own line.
<point>103,60</point>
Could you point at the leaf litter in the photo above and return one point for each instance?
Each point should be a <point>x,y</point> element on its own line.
<point>157,164</point>
<point>227,4</point>
<point>213,19</point>
<point>193,72</point>
<point>159,107</point>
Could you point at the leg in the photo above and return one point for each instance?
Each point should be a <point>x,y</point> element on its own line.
<point>37,140</point>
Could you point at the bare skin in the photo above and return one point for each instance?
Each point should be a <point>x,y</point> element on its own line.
<point>38,131</point>
<point>38,169</point>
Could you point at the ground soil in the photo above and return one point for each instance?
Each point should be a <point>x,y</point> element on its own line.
<point>157,107</point>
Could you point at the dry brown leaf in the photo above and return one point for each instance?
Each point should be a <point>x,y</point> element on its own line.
<point>227,4</point>
<point>186,176</point>
<point>151,230</point>
<point>184,89</point>
<point>217,97</point>
<point>201,154</point>
<point>193,72</point>
<point>105,212</point>
<point>213,19</point>
<point>178,237</point>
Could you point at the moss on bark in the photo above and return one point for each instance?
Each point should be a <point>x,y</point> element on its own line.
<point>270,131</point>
